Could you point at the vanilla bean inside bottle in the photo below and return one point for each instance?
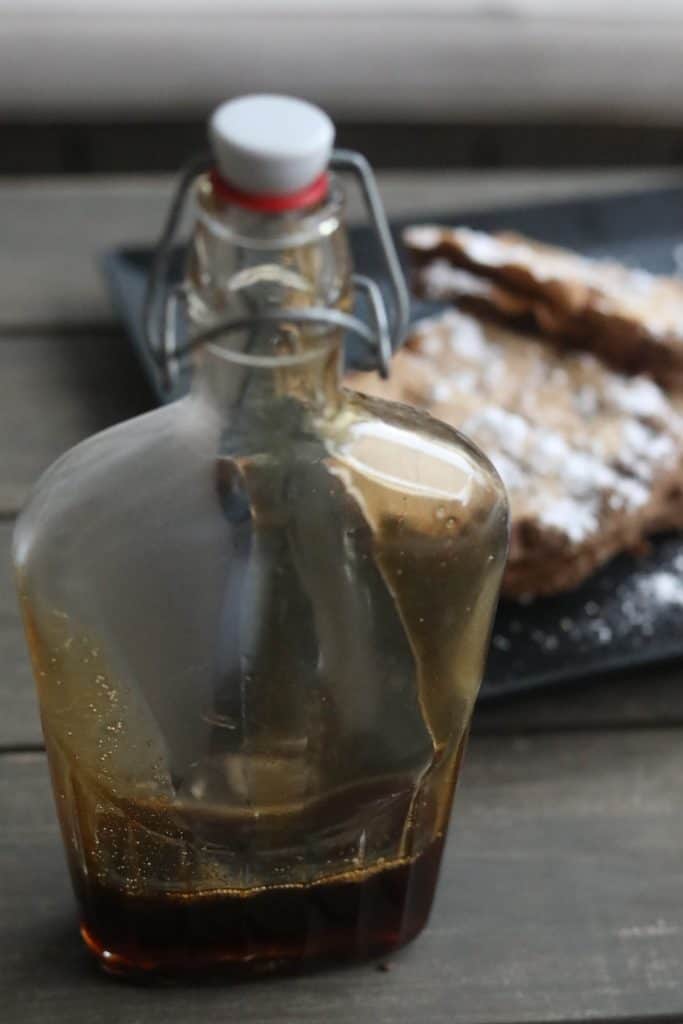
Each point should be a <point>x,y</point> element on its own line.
<point>258,617</point>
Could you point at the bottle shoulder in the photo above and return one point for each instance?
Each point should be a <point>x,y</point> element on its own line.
<point>406,447</point>
<point>157,473</point>
<point>116,466</point>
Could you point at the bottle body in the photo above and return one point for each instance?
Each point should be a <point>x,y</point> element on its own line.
<point>258,627</point>
<point>258,620</point>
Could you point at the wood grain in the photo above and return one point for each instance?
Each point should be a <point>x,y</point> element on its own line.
<point>561,891</point>
<point>559,901</point>
<point>57,389</point>
<point>54,230</point>
<point>647,698</point>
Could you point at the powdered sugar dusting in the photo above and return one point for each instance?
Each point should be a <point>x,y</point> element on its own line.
<point>645,449</point>
<point>432,345</point>
<point>609,288</point>
<point>422,236</point>
<point>443,391</point>
<point>630,605</point>
<point>574,519</point>
<point>665,588</point>
<point>575,444</point>
<point>487,249</point>
<point>637,396</point>
<point>510,473</point>
<point>442,280</point>
<point>467,338</point>
<point>565,489</point>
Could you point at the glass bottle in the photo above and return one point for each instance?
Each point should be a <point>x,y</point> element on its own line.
<point>258,619</point>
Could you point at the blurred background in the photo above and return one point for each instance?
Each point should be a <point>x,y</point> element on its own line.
<point>463,105</point>
<point>413,83</point>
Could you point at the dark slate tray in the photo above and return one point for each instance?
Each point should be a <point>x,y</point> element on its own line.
<point>631,612</point>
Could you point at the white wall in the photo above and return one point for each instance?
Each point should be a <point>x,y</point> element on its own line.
<point>363,59</point>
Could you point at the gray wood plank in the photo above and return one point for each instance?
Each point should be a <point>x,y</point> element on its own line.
<point>19,722</point>
<point>650,697</point>
<point>54,391</point>
<point>55,229</point>
<point>559,901</point>
<point>645,697</point>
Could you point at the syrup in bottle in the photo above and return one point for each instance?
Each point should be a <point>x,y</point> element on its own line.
<point>258,616</point>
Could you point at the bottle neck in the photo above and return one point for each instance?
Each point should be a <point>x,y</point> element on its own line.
<point>272,380</point>
<point>312,212</point>
<point>244,263</point>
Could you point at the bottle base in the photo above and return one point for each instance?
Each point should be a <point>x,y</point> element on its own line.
<point>217,967</point>
<point>276,930</point>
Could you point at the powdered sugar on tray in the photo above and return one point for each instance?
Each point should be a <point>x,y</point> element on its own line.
<point>647,601</point>
<point>663,588</point>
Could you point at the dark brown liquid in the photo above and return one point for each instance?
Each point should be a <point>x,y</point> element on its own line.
<point>352,916</point>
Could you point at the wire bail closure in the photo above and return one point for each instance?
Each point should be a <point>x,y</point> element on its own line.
<point>162,301</point>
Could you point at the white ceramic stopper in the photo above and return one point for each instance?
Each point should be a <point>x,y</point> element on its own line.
<point>270,145</point>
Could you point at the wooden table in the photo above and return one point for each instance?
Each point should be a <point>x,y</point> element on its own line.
<point>562,890</point>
